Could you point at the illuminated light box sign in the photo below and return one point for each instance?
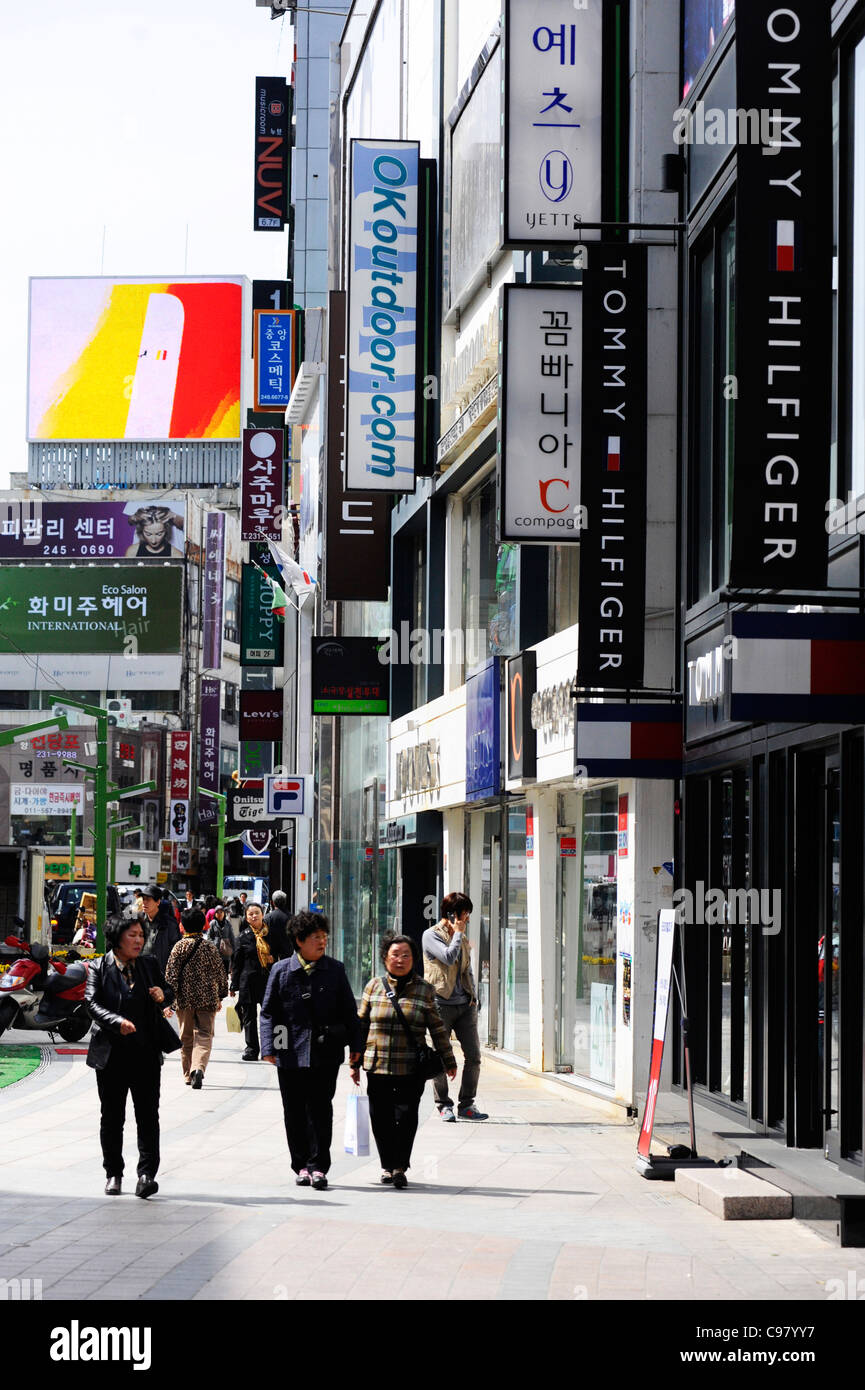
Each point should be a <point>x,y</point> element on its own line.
<point>49,609</point>
<point>140,529</point>
<point>347,676</point>
<point>135,359</point>
<point>275,359</point>
<point>382,316</point>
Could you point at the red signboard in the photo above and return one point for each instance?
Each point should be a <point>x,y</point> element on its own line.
<point>623,827</point>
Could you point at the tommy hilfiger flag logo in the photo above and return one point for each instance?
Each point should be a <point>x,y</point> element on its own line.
<point>787,249</point>
<point>614,453</point>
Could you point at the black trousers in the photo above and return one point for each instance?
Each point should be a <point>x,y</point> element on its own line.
<point>394,1102</point>
<point>135,1069</point>
<point>307,1107</point>
<point>247,1009</point>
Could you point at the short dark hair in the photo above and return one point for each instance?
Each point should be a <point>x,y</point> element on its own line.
<point>455,904</point>
<point>395,938</point>
<point>305,923</point>
<point>247,906</point>
<point>192,920</point>
<point>115,927</point>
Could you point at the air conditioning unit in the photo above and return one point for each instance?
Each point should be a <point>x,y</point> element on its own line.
<point>119,714</point>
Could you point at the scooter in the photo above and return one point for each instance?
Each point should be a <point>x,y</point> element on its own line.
<point>41,993</point>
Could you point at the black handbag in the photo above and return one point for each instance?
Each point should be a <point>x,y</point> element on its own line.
<point>429,1062</point>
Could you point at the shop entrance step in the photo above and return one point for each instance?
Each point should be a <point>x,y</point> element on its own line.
<point>734,1195</point>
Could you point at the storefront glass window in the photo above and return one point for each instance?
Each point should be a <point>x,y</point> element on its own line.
<point>514,962</point>
<point>588,968</point>
<point>563,587</point>
<point>489,596</point>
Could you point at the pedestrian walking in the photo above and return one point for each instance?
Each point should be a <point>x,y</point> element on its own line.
<point>396,1011</point>
<point>308,1018</point>
<point>251,964</point>
<point>197,975</point>
<point>161,932</point>
<point>448,968</point>
<point>219,933</point>
<point>125,995</point>
<point>277,920</point>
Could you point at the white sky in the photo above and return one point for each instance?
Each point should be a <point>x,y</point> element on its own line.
<point>126,126</point>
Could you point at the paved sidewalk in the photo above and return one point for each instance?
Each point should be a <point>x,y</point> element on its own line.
<point>540,1202</point>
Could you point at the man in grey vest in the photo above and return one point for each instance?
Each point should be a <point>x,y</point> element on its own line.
<point>448,968</point>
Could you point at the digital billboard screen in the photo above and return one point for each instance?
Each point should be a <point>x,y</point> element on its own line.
<point>135,359</point>
<point>705,22</point>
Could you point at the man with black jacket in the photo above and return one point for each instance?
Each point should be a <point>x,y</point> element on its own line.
<point>161,932</point>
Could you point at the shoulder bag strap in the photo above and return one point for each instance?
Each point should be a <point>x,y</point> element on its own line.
<point>391,994</point>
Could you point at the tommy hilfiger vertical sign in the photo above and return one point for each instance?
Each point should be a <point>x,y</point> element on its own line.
<point>613,469</point>
<point>783,364</point>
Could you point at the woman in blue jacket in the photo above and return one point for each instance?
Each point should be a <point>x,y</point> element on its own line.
<point>308,1017</point>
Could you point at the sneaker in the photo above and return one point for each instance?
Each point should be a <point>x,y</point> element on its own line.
<point>471,1112</point>
<point>303,1178</point>
<point>146,1186</point>
<point>447,1114</point>
<point>399,1178</point>
<point>319,1181</point>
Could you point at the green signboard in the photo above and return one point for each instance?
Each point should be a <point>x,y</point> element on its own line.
<point>114,609</point>
<point>261,633</point>
<point>348,676</point>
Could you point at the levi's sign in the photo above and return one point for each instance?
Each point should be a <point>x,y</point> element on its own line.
<point>381,344</point>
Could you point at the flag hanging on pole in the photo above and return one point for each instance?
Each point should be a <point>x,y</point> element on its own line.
<point>299,579</point>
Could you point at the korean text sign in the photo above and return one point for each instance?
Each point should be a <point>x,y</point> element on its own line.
<point>180,783</point>
<point>141,529</point>
<point>553,119</point>
<point>262,485</point>
<point>274,356</point>
<point>382,316</point>
<point>539,409</point>
<point>214,589</point>
<point>53,610</point>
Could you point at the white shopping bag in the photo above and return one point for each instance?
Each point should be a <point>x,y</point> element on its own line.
<point>357,1125</point>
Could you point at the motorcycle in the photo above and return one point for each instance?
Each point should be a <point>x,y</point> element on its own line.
<point>41,993</point>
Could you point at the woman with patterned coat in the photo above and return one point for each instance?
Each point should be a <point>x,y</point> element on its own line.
<point>197,975</point>
<point>390,1056</point>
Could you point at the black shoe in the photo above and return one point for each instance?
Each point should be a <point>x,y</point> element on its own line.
<point>249,1056</point>
<point>399,1178</point>
<point>195,1080</point>
<point>386,1176</point>
<point>303,1179</point>
<point>146,1186</point>
<point>112,1187</point>
<point>319,1181</point>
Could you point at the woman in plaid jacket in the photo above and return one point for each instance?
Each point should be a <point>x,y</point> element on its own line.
<point>390,1060</point>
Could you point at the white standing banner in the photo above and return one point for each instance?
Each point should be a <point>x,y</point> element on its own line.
<point>663,978</point>
<point>540,389</point>
<point>552,120</point>
<point>381,334</point>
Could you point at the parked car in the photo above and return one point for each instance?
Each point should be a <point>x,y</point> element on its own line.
<point>65,904</point>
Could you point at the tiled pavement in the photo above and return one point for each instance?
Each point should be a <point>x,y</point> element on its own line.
<point>540,1202</point>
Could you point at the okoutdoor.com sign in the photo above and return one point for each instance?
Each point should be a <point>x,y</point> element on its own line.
<point>382,316</point>
<point>140,529</point>
<point>552,120</point>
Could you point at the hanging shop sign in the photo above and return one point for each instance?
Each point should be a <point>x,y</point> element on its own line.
<point>381,339</point>
<point>261,715</point>
<point>539,413</point>
<point>262,485</point>
<point>273,100</point>
<point>483,760</point>
<point>628,741</point>
<point>179,783</point>
<point>214,590</point>
<point>256,759</point>
<point>663,977</point>
<point>521,738</point>
<point>622,827</point>
<point>256,843</point>
<point>784,339</point>
<point>208,748</point>
<point>136,530</point>
<point>357,527</point>
<point>788,667</point>
<point>559,83</point>
<point>612,609</point>
<point>284,795</point>
<point>348,677</point>
<point>261,635</point>
<point>274,343</point>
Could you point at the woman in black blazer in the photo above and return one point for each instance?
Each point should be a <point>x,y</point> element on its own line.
<point>125,995</point>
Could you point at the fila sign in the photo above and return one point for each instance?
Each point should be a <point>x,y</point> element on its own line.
<point>284,796</point>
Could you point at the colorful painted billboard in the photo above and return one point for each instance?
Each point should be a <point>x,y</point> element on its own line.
<point>135,359</point>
